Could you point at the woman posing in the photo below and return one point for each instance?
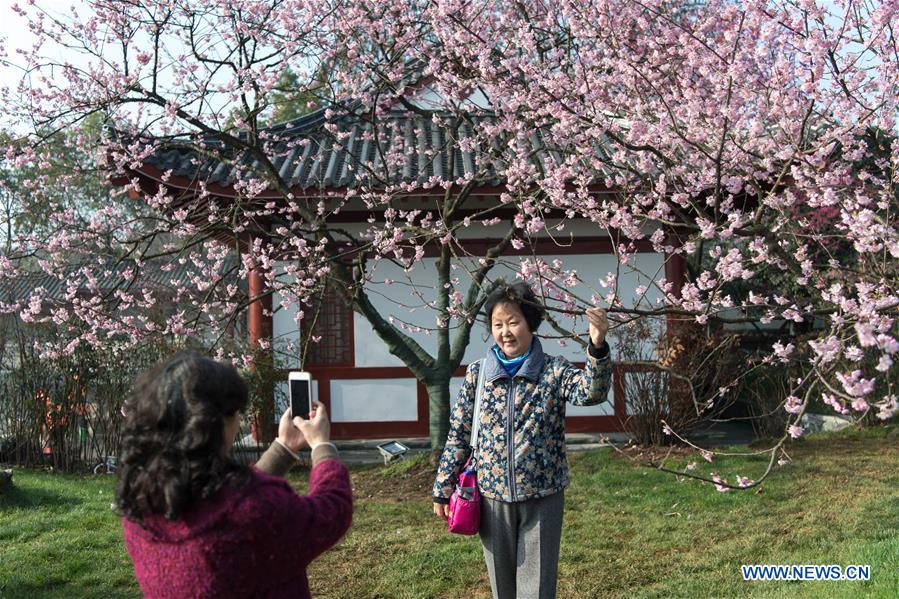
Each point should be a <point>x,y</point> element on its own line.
<point>520,458</point>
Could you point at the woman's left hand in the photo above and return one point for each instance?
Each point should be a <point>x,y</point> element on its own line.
<point>599,325</point>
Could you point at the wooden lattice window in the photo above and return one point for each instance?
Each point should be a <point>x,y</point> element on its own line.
<point>332,321</point>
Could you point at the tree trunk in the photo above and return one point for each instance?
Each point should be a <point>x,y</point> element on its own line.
<point>264,419</point>
<point>438,412</point>
<point>262,392</point>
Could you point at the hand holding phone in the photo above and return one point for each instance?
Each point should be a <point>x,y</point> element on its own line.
<point>318,428</point>
<point>289,433</point>
<point>300,392</point>
<point>298,434</point>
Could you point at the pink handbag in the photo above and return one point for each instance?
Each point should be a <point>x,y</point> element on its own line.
<point>465,503</point>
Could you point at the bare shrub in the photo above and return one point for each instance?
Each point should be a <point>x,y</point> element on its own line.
<point>64,412</point>
<point>673,373</point>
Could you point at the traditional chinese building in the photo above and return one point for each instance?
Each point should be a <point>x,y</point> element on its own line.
<point>369,392</point>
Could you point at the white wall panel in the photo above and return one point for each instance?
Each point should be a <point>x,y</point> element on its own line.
<point>603,409</point>
<point>285,332</point>
<point>374,400</point>
<point>397,301</point>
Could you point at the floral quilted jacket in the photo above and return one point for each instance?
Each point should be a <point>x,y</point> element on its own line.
<point>529,409</point>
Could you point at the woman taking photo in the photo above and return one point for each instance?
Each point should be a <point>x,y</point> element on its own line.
<point>520,458</point>
<point>199,524</point>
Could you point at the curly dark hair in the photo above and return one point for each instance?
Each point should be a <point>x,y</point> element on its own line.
<point>173,436</point>
<point>518,294</point>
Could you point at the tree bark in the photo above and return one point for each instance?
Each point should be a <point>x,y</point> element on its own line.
<point>438,411</point>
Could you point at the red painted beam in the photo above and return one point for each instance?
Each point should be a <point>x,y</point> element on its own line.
<point>260,327</point>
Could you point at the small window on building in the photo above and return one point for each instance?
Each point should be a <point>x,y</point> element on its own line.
<point>331,319</point>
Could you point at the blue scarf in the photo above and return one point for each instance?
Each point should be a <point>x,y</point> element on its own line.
<point>511,366</point>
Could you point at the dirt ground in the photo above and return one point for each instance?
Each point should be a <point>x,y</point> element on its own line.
<point>394,483</point>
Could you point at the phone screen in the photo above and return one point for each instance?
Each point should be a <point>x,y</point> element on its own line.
<point>299,398</point>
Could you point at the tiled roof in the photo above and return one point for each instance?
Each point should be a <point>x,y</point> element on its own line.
<point>152,276</point>
<point>320,151</point>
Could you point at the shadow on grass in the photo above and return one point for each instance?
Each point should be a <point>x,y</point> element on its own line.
<point>50,589</point>
<point>15,590</point>
<point>25,497</point>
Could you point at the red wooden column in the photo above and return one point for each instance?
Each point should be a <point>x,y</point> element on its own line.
<point>260,314</point>
<point>676,273</point>
<point>260,328</point>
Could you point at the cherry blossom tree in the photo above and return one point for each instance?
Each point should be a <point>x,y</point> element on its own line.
<point>746,138</point>
<point>750,142</point>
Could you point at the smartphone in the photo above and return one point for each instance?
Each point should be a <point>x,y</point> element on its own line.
<point>300,391</point>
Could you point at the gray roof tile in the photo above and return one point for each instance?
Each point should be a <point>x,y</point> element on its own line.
<point>153,276</point>
<point>309,156</point>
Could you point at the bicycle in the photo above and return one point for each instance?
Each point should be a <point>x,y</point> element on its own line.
<point>107,466</point>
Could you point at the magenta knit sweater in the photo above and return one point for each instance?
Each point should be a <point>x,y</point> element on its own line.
<point>251,542</point>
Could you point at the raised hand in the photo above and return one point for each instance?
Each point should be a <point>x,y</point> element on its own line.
<point>599,325</point>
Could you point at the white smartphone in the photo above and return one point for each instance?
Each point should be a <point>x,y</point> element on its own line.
<point>300,392</point>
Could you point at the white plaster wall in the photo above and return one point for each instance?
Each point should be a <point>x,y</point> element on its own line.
<point>285,332</point>
<point>641,270</point>
<point>374,400</point>
<point>430,99</point>
<point>397,301</point>
<point>604,409</point>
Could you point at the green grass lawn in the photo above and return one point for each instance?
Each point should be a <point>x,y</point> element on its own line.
<point>629,531</point>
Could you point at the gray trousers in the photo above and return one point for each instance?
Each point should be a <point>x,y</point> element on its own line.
<point>521,546</point>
